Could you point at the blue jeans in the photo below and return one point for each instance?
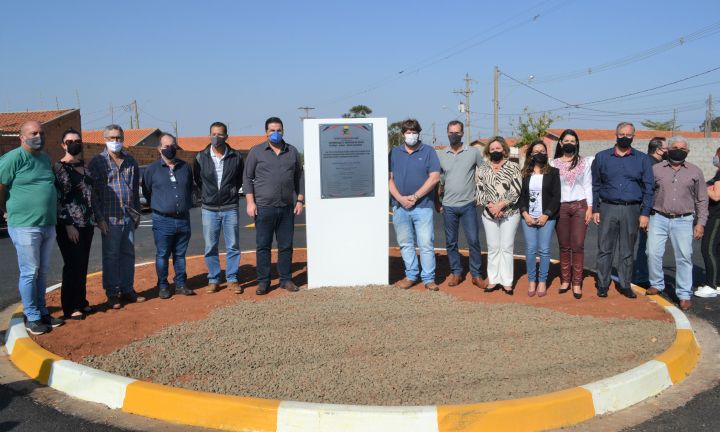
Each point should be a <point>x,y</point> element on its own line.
<point>118,258</point>
<point>680,232</point>
<point>467,216</point>
<point>33,246</point>
<point>537,242</point>
<point>278,222</point>
<point>213,221</point>
<point>414,225</point>
<point>172,236</point>
<point>641,260</point>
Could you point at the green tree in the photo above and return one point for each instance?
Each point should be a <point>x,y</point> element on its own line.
<point>394,134</point>
<point>531,127</point>
<point>358,111</point>
<point>714,125</point>
<point>659,125</point>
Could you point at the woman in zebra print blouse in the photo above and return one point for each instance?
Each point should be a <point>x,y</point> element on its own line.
<point>498,189</point>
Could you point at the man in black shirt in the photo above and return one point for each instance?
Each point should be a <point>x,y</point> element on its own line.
<point>167,186</point>
<point>274,193</point>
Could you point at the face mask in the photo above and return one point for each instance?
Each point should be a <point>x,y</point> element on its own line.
<point>540,158</point>
<point>664,155</point>
<point>36,142</point>
<point>276,137</point>
<point>411,139</point>
<point>169,153</point>
<point>569,148</point>
<point>496,156</point>
<point>217,141</point>
<point>114,146</point>
<point>624,142</point>
<point>676,155</point>
<point>454,139</point>
<point>716,161</point>
<point>74,148</point>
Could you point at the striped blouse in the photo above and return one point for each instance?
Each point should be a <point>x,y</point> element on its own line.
<point>503,185</point>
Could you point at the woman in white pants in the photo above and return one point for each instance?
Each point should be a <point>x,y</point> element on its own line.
<point>498,190</point>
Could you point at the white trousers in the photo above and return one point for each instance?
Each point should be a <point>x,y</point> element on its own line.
<point>500,237</point>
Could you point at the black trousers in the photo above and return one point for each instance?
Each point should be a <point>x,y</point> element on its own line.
<point>711,252</point>
<point>74,276</point>
<point>618,231</point>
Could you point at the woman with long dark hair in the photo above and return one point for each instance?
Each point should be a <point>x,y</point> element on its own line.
<point>75,225</point>
<point>539,206</point>
<point>711,240</point>
<point>575,209</point>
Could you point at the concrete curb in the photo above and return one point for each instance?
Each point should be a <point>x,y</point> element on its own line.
<point>548,411</point>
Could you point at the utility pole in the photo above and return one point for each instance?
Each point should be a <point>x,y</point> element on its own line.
<point>137,117</point>
<point>434,139</point>
<point>466,107</point>
<point>77,95</point>
<point>307,110</point>
<point>708,118</point>
<point>131,124</point>
<point>57,103</point>
<point>496,103</point>
<point>112,114</point>
<point>176,134</point>
<point>674,120</point>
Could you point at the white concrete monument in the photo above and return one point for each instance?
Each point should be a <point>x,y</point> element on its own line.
<point>346,196</point>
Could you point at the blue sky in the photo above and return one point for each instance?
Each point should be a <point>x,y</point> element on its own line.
<point>196,62</point>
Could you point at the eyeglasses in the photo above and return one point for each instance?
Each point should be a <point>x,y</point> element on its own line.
<point>68,142</point>
<point>625,135</point>
<point>115,138</point>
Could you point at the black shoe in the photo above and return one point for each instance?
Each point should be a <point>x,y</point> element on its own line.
<point>132,297</point>
<point>291,287</point>
<point>164,293</point>
<point>577,295</point>
<point>262,290</point>
<point>602,292</point>
<point>37,327</point>
<point>627,292</point>
<point>78,315</point>
<point>184,291</point>
<point>51,321</point>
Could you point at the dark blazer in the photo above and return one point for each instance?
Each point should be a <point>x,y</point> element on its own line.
<point>550,194</point>
<point>205,178</point>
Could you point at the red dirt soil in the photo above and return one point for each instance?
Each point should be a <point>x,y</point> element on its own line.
<point>107,330</point>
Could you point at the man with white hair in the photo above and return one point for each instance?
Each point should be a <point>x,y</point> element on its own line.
<point>679,212</point>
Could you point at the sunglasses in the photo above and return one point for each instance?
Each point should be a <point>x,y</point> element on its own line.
<point>68,142</point>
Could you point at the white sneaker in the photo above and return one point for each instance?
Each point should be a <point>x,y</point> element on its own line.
<point>706,292</point>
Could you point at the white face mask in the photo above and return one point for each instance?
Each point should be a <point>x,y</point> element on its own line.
<point>411,139</point>
<point>113,146</point>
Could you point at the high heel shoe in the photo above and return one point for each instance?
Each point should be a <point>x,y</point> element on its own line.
<point>577,295</point>
<point>543,292</point>
<point>531,292</point>
<point>510,291</point>
<point>564,290</point>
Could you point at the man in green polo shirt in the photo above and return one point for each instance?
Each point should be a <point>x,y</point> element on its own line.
<point>28,200</point>
<point>457,204</point>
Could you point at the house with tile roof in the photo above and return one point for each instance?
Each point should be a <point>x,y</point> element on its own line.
<point>146,137</point>
<point>241,143</point>
<point>54,123</point>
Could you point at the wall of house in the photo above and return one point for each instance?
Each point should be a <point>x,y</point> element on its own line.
<point>53,135</point>
<point>143,155</point>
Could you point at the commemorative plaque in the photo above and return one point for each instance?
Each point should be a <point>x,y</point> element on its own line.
<point>346,160</point>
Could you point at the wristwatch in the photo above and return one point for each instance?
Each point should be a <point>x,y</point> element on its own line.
<point>415,196</point>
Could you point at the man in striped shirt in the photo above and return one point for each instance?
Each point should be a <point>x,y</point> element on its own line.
<point>116,204</point>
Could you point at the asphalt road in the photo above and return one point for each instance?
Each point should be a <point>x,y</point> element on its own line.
<point>20,412</point>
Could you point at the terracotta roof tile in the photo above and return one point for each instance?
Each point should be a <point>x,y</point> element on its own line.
<point>132,136</point>
<point>11,122</point>
<point>609,134</point>
<point>242,143</point>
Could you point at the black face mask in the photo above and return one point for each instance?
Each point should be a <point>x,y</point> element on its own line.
<point>676,155</point>
<point>540,158</point>
<point>496,156</point>
<point>217,141</point>
<point>624,142</point>
<point>569,148</point>
<point>169,153</point>
<point>664,155</point>
<point>454,139</point>
<point>74,148</point>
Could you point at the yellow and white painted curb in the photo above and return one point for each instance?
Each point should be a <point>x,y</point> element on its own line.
<point>235,413</point>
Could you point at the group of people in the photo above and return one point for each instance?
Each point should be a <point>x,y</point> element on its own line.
<point>65,202</point>
<point>625,192</point>
<point>658,195</point>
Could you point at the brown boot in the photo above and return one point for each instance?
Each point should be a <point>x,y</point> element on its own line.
<point>213,288</point>
<point>455,280</point>
<point>480,282</point>
<point>237,289</point>
<point>652,291</point>
<point>405,283</point>
<point>290,286</point>
<point>432,286</point>
<point>685,305</point>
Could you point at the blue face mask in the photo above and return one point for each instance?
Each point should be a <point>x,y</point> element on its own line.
<point>276,137</point>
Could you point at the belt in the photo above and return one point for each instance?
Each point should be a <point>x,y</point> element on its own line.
<point>182,215</point>
<point>622,203</point>
<point>671,216</point>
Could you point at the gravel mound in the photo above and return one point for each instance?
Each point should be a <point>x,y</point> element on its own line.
<point>384,346</point>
